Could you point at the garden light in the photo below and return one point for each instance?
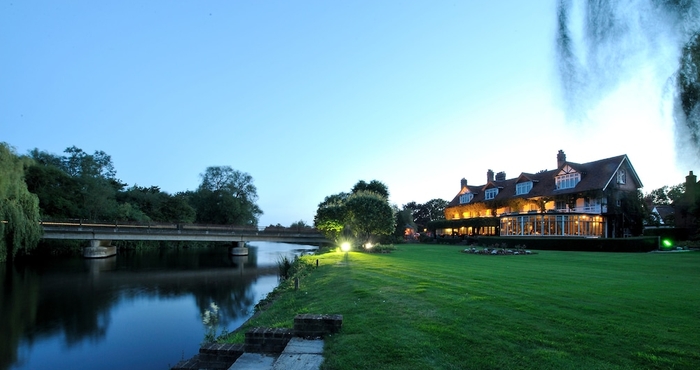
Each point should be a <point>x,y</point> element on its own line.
<point>345,247</point>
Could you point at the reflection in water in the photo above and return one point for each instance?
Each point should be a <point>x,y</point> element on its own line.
<point>139,309</point>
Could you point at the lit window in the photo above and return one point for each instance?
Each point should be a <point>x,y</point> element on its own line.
<point>523,188</point>
<point>490,193</point>
<point>465,198</point>
<point>621,176</point>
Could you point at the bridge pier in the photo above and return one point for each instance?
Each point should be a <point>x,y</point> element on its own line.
<point>238,249</point>
<point>99,249</point>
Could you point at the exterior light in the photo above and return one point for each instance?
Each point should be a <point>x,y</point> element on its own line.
<point>368,246</point>
<point>345,247</point>
<point>667,243</point>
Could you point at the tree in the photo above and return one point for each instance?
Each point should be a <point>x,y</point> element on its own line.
<point>19,209</point>
<point>432,210</point>
<point>331,216</point>
<point>91,190</point>
<point>363,213</point>
<point>176,209</point>
<point>404,219</point>
<point>57,191</point>
<point>665,194</point>
<point>226,196</point>
<point>301,224</point>
<point>368,214</point>
<point>374,186</point>
<point>689,87</point>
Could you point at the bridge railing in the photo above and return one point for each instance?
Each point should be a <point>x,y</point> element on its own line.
<point>72,223</point>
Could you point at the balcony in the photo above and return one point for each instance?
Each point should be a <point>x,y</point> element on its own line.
<point>596,209</point>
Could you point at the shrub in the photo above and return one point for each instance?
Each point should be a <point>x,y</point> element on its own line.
<point>285,266</point>
<point>381,248</point>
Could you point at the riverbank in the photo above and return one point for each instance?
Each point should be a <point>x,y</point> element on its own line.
<point>427,306</point>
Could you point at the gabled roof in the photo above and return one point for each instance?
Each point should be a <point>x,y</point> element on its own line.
<point>596,175</point>
<point>663,210</point>
<point>524,177</point>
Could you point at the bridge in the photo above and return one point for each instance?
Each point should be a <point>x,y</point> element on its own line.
<point>101,235</point>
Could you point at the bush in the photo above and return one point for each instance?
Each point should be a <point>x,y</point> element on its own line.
<point>381,248</point>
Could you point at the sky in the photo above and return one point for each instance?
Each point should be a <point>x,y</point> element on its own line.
<point>309,97</point>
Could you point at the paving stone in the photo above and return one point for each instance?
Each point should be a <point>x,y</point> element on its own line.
<point>258,361</point>
<point>300,345</point>
<point>298,361</point>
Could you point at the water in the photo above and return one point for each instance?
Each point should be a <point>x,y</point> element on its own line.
<point>138,310</point>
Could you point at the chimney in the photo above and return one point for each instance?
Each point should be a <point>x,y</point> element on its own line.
<point>690,186</point>
<point>561,158</point>
<point>463,184</point>
<point>489,176</point>
<point>501,176</point>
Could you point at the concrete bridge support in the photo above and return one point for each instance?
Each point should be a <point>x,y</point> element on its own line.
<point>238,249</point>
<point>99,249</point>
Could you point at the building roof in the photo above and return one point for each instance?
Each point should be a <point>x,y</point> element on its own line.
<point>596,175</point>
<point>663,210</point>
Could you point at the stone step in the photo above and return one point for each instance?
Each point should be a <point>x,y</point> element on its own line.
<point>212,356</point>
<point>299,354</point>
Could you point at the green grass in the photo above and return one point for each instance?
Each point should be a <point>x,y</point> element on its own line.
<point>432,307</point>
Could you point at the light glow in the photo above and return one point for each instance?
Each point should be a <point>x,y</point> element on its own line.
<point>368,246</point>
<point>345,247</point>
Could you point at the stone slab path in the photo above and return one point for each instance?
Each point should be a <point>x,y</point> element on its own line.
<point>299,354</point>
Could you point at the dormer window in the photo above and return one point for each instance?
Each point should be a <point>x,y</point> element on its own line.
<point>466,198</point>
<point>568,178</point>
<point>490,193</point>
<point>523,187</point>
<point>621,176</point>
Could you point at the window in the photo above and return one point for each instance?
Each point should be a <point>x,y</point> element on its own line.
<point>490,193</point>
<point>466,198</point>
<point>523,188</point>
<point>568,180</point>
<point>560,205</point>
<point>621,176</point>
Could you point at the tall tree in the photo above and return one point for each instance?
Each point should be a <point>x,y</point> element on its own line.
<point>226,196</point>
<point>58,192</point>
<point>369,214</point>
<point>331,216</point>
<point>374,186</point>
<point>19,209</point>
<point>363,213</point>
<point>665,194</point>
<point>92,187</point>
<point>432,210</point>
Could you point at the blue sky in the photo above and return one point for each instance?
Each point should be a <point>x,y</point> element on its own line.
<point>310,97</point>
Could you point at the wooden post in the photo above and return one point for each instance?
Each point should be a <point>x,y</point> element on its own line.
<point>296,283</point>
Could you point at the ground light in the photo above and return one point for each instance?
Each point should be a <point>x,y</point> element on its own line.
<point>345,247</point>
<point>667,243</point>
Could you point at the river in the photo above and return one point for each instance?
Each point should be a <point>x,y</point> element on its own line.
<point>136,310</point>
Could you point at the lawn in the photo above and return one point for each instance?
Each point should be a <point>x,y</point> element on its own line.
<point>432,307</point>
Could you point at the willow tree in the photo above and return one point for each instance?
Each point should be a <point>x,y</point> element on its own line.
<point>19,209</point>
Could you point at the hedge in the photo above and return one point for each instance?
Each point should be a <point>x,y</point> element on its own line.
<point>636,244</point>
